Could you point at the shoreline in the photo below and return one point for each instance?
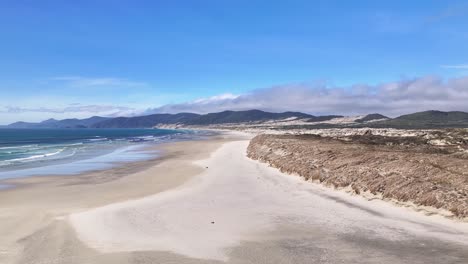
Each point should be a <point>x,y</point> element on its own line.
<point>40,202</point>
<point>205,202</point>
<point>129,154</point>
<point>81,153</point>
<point>121,167</point>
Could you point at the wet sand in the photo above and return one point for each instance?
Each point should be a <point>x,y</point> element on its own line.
<point>38,205</point>
<point>206,202</point>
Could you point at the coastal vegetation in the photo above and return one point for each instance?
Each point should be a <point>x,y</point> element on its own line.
<point>428,170</point>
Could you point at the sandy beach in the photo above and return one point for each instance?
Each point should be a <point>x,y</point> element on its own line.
<point>206,202</point>
<point>43,203</point>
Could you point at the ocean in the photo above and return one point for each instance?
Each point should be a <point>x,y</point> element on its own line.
<point>29,152</point>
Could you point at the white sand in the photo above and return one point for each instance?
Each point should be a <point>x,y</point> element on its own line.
<point>246,200</point>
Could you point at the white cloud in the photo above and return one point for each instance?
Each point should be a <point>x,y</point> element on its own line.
<point>393,98</point>
<point>216,98</point>
<point>449,12</point>
<point>85,82</point>
<point>387,22</point>
<point>73,108</point>
<point>459,66</point>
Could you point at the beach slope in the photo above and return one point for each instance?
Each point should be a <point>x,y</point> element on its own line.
<point>240,211</point>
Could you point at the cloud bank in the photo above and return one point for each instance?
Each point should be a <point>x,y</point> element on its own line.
<point>392,98</point>
<point>11,114</point>
<point>75,108</point>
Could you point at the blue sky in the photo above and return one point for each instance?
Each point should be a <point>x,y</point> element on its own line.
<point>79,58</point>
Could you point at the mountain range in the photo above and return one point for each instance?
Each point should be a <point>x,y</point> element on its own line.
<point>427,119</point>
<point>65,123</point>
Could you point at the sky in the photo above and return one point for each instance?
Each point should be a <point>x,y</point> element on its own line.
<point>75,59</point>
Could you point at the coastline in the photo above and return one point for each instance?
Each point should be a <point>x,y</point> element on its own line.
<point>39,202</point>
<point>206,202</point>
<point>95,150</point>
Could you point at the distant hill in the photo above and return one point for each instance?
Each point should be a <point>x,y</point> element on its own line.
<point>77,123</point>
<point>371,117</point>
<point>421,120</point>
<point>146,121</point>
<point>49,121</point>
<point>243,117</point>
<point>21,124</point>
<point>427,119</point>
<point>66,123</point>
<point>323,118</point>
<point>196,119</point>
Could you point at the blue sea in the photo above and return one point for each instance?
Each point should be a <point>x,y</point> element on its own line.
<point>29,152</point>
